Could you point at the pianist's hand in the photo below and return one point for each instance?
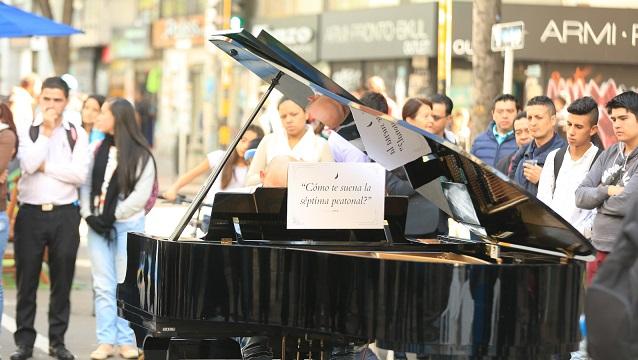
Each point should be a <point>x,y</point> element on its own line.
<point>613,190</point>
<point>532,173</point>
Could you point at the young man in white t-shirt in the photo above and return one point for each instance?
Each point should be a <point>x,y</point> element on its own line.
<point>572,163</point>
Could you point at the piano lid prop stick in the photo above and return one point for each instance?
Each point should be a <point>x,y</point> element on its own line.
<point>213,176</point>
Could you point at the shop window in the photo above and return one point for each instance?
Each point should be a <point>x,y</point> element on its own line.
<point>349,75</point>
<point>393,73</point>
<point>175,8</point>
<point>285,8</point>
<point>339,5</point>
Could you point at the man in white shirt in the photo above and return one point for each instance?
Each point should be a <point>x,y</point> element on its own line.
<point>558,192</point>
<point>54,159</point>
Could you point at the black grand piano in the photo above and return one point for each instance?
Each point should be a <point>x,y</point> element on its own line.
<point>513,290</point>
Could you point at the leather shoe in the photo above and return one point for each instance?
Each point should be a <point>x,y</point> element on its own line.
<point>22,353</point>
<point>60,352</point>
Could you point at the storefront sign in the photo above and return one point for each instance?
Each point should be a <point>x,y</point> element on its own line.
<point>381,33</point>
<point>562,33</point>
<point>178,31</point>
<point>131,43</point>
<point>298,33</point>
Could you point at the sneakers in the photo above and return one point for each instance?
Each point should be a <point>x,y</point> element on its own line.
<point>103,352</point>
<point>60,352</point>
<point>129,352</point>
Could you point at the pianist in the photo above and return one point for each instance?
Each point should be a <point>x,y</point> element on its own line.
<point>274,175</point>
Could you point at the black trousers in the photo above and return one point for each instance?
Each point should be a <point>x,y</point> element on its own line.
<point>58,230</point>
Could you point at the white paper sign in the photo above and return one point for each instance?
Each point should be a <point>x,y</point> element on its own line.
<point>335,195</point>
<point>387,142</point>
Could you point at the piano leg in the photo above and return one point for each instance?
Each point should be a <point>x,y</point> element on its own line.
<point>156,348</point>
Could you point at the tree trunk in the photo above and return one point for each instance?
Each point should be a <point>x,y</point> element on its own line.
<point>487,66</point>
<point>59,47</point>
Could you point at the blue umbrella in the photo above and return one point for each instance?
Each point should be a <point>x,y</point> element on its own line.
<point>18,23</point>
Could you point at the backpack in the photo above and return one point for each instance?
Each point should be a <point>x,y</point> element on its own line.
<point>558,161</point>
<point>611,302</point>
<point>154,194</point>
<point>71,134</point>
<point>560,155</point>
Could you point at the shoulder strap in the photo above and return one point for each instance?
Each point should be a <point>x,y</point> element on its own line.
<point>71,134</point>
<point>558,160</point>
<point>600,150</point>
<point>34,132</point>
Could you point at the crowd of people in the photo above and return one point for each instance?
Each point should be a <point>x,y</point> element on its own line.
<point>101,169</point>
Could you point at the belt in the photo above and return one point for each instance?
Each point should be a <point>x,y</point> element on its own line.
<point>47,207</point>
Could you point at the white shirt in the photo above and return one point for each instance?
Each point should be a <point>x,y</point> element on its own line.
<point>309,148</point>
<point>237,181</point>
<point>63,172</point>
<point>343,151</point>
<point>560,194</point>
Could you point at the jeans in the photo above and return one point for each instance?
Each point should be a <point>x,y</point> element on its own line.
<point>255,347</point>
<point>108,268</point>
<point>352,352</point>
<point>4,238</point>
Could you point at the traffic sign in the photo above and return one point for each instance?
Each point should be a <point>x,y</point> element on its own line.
<point>508,36</point>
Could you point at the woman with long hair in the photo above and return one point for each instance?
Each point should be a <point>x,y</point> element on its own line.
<point>298,140</point>
<point>8,151</point>
<point>115,198</point>
<point>90,110</point>
<point>233,174</point>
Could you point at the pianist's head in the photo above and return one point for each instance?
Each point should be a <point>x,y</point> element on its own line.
<point>326,110</point>
<point>276,172</point>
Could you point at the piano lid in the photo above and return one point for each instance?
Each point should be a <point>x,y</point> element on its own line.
<point>468,190</point>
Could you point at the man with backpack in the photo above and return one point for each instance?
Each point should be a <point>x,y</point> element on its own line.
<point>565,168</point>
<point>611,182</point>
<point>54,159</point>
